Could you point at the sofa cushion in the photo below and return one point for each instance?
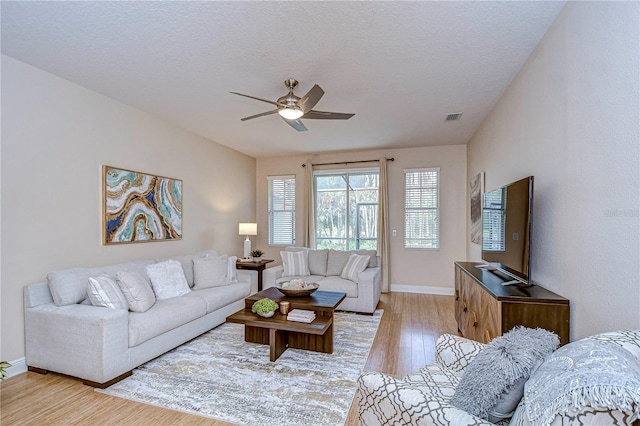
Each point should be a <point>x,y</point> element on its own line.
<point>356,264</point>
<point>69,286</point>
<point>339,284</point>
<point>318,262</point>
<point>218,297</point>
<point>165,315</point>
<point>336,260</point>
<point>294,263</point>
<point>167,279</point>
<point>104,291</point>
<point>210,271</point>
<point>497,374</point>
<point>136,290</point>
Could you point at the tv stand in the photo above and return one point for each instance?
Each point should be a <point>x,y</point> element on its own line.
<point>486,306</point>
<point>512,282</point>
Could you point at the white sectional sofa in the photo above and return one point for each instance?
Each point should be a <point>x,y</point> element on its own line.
<point>66,334</point>
<point>325,267</point>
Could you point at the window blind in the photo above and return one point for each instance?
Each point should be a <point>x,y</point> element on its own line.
<point>421,209</point>
<point>282,210</point>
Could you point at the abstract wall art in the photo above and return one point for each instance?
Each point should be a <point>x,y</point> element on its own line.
<point>139,207</point>
<point>476,189</point>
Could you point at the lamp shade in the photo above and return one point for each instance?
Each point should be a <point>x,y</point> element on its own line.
<point>291,113</point>
<point>248,229</point>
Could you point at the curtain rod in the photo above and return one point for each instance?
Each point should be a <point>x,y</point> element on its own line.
<point>348,162</point>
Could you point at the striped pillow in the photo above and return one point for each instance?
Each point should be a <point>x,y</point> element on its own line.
<point>356,264</point>
<point>295,263</point>
<point>104,291</point>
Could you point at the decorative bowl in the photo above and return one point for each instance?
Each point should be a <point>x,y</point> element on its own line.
<point>290,292</point>
<point>266,315</point>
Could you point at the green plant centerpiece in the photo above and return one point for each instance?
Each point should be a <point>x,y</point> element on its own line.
<point>257,253</point>
<point>3,366</point>
<point>265,307</point>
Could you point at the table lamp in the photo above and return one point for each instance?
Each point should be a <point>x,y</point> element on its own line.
<point>247,229</point>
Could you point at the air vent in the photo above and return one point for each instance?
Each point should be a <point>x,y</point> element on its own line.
<point>454,116</point>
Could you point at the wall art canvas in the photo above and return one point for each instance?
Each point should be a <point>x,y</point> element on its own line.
<point>139,207</point>
<point>476,187</point>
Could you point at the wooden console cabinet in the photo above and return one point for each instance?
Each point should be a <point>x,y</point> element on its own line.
<point>485,308</point>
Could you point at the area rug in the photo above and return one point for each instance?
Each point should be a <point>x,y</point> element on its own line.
<point>219,375</point>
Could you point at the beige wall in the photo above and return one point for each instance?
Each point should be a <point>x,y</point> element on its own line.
<point>418,270</point>
<point>55,137</point>
<point>570,118</point>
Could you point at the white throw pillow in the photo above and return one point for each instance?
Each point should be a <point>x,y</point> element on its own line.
<point>210,271</point>
<point>356,264</point>
<point>167,279</point>
<point>136,290</point>
<point>232,271</point>
<point>104,291</point>
<point>295,263</point>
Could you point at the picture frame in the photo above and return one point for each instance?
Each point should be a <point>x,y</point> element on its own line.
<point>476,189</point>
<point>140,207</point>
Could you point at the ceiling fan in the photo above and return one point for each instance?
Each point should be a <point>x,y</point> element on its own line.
<point>292,108</point>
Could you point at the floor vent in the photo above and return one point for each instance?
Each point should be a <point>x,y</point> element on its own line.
<point>453,116</point>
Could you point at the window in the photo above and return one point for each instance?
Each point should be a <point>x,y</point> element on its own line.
<point>347,209</point>
<point>421,215</point>
<point>493,220</point>
<point>282,210</point>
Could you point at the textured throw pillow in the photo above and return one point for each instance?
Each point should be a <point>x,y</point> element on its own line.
<point>294,264</point>
<point>136,290</point>
<point>210,271</point>
<point>167,279</point>
<point>104,291</point>
<point>356,264</point>
<point>493,384</point>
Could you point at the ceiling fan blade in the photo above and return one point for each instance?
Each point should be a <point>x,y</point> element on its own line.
<point>296,124</point>
<point>253,97</point>
<point>326,115</point>
<point>259,115</point>
<point>308,101</point>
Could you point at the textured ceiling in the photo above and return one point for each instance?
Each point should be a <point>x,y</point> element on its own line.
<point>400,66</point>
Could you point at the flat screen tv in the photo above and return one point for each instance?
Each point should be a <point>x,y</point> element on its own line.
<point>506,231</point>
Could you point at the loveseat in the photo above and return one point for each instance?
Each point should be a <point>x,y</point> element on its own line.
<point>327,268</point>
<point>593,381</point>
<point>66,333</point>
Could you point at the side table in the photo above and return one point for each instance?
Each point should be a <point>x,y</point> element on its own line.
<point>257,265</point>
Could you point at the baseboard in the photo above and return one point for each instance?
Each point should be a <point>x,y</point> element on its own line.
<point>18,366</point>
<point>402,288</point>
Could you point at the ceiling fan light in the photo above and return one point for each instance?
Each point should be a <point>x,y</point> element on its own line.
<point>290,113</point>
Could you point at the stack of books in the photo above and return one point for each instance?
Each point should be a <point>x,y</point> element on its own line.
<point>301,315</point>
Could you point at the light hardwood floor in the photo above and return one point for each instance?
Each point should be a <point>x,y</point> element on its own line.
<point>404,343</point>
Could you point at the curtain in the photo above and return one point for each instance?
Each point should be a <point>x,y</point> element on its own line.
<point>383,227</point>
<point>309,222</point>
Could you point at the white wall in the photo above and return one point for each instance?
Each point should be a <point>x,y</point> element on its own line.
<point>412,270</point>
<point>570,118</point>
<point>55,137</point>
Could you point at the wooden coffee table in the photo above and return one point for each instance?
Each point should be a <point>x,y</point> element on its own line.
<point>279,333</point>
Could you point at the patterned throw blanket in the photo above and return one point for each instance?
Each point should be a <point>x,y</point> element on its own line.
<point>583,373</point>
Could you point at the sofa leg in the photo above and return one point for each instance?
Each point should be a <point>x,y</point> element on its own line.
<point>107,384</point>
<point>37,370</point>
